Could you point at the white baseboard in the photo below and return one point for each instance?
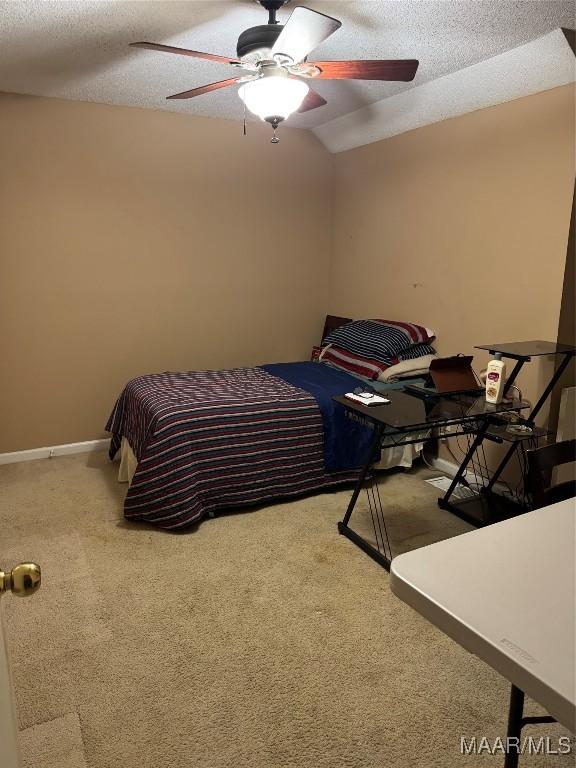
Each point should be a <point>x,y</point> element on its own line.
<point>54,450</point>
<point>443,465</point>
<point>449,468</point>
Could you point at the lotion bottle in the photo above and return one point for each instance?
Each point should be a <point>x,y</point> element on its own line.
<point>495,379</point>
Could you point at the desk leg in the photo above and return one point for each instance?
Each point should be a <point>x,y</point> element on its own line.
<point>517,721</point>
<point>515,713</point>
<point>444,501</point>
<point>512,378</point>
<point>343,528</point>
<point>374,448</point>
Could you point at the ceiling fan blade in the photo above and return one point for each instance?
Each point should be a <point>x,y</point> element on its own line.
<point>398,69</point>
<point>304,30</point>
<point>186,52</point>
<point>312,101</point>
<point>205,89</point>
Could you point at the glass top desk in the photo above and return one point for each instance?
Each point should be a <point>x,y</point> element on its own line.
<point>410,419</point>
<point>407,413</point>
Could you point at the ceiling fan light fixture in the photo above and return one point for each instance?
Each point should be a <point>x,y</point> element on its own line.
<point>274,96</point>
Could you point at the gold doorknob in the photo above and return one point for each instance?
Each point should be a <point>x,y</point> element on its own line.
<point>23,580</point>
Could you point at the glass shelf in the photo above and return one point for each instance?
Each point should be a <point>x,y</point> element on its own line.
<point>524,350</point>
<point>501,433</point>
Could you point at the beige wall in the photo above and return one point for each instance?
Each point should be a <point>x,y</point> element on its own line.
<point>461,226</point>
<point>567,321</point>
<point>134,241</point>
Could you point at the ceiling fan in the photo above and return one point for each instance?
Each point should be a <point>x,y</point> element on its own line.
<point>276,69</point>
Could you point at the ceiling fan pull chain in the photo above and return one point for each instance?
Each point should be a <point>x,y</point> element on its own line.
<point>244,118</point>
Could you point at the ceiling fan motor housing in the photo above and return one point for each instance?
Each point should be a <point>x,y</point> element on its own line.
<point>255,40</point>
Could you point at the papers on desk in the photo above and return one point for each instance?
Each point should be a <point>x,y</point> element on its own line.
<point>366,398</point>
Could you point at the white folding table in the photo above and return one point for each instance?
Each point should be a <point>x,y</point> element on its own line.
<point>507,593</point>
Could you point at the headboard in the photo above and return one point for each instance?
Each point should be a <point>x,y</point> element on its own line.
<point>332,322</point>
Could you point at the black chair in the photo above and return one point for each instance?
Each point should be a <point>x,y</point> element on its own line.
<point>541,462</point>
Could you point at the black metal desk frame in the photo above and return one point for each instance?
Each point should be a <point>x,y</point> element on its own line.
<point>385,436</point>
<point>521,352</point>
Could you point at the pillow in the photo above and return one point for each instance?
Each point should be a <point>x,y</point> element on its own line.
<point>377,339</point>
<point>418,350</point>
<point>348,361</point>
<point>418,366</point>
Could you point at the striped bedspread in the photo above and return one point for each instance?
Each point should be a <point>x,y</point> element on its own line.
<point>207,440</point>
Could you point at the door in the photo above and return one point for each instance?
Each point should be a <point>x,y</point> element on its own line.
<point>22,581</point>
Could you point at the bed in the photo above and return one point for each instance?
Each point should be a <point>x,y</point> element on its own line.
<point>195,442</point>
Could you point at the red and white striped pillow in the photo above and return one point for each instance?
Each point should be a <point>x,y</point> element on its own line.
<point>352,363</point>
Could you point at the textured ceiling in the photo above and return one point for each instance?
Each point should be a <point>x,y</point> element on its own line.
<point>542,64</point>
<point>79,50</point>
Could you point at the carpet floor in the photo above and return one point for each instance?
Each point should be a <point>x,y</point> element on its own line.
<point>259,639</point>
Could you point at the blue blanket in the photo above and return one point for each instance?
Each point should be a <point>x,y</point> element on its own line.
<point>346,442</point>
